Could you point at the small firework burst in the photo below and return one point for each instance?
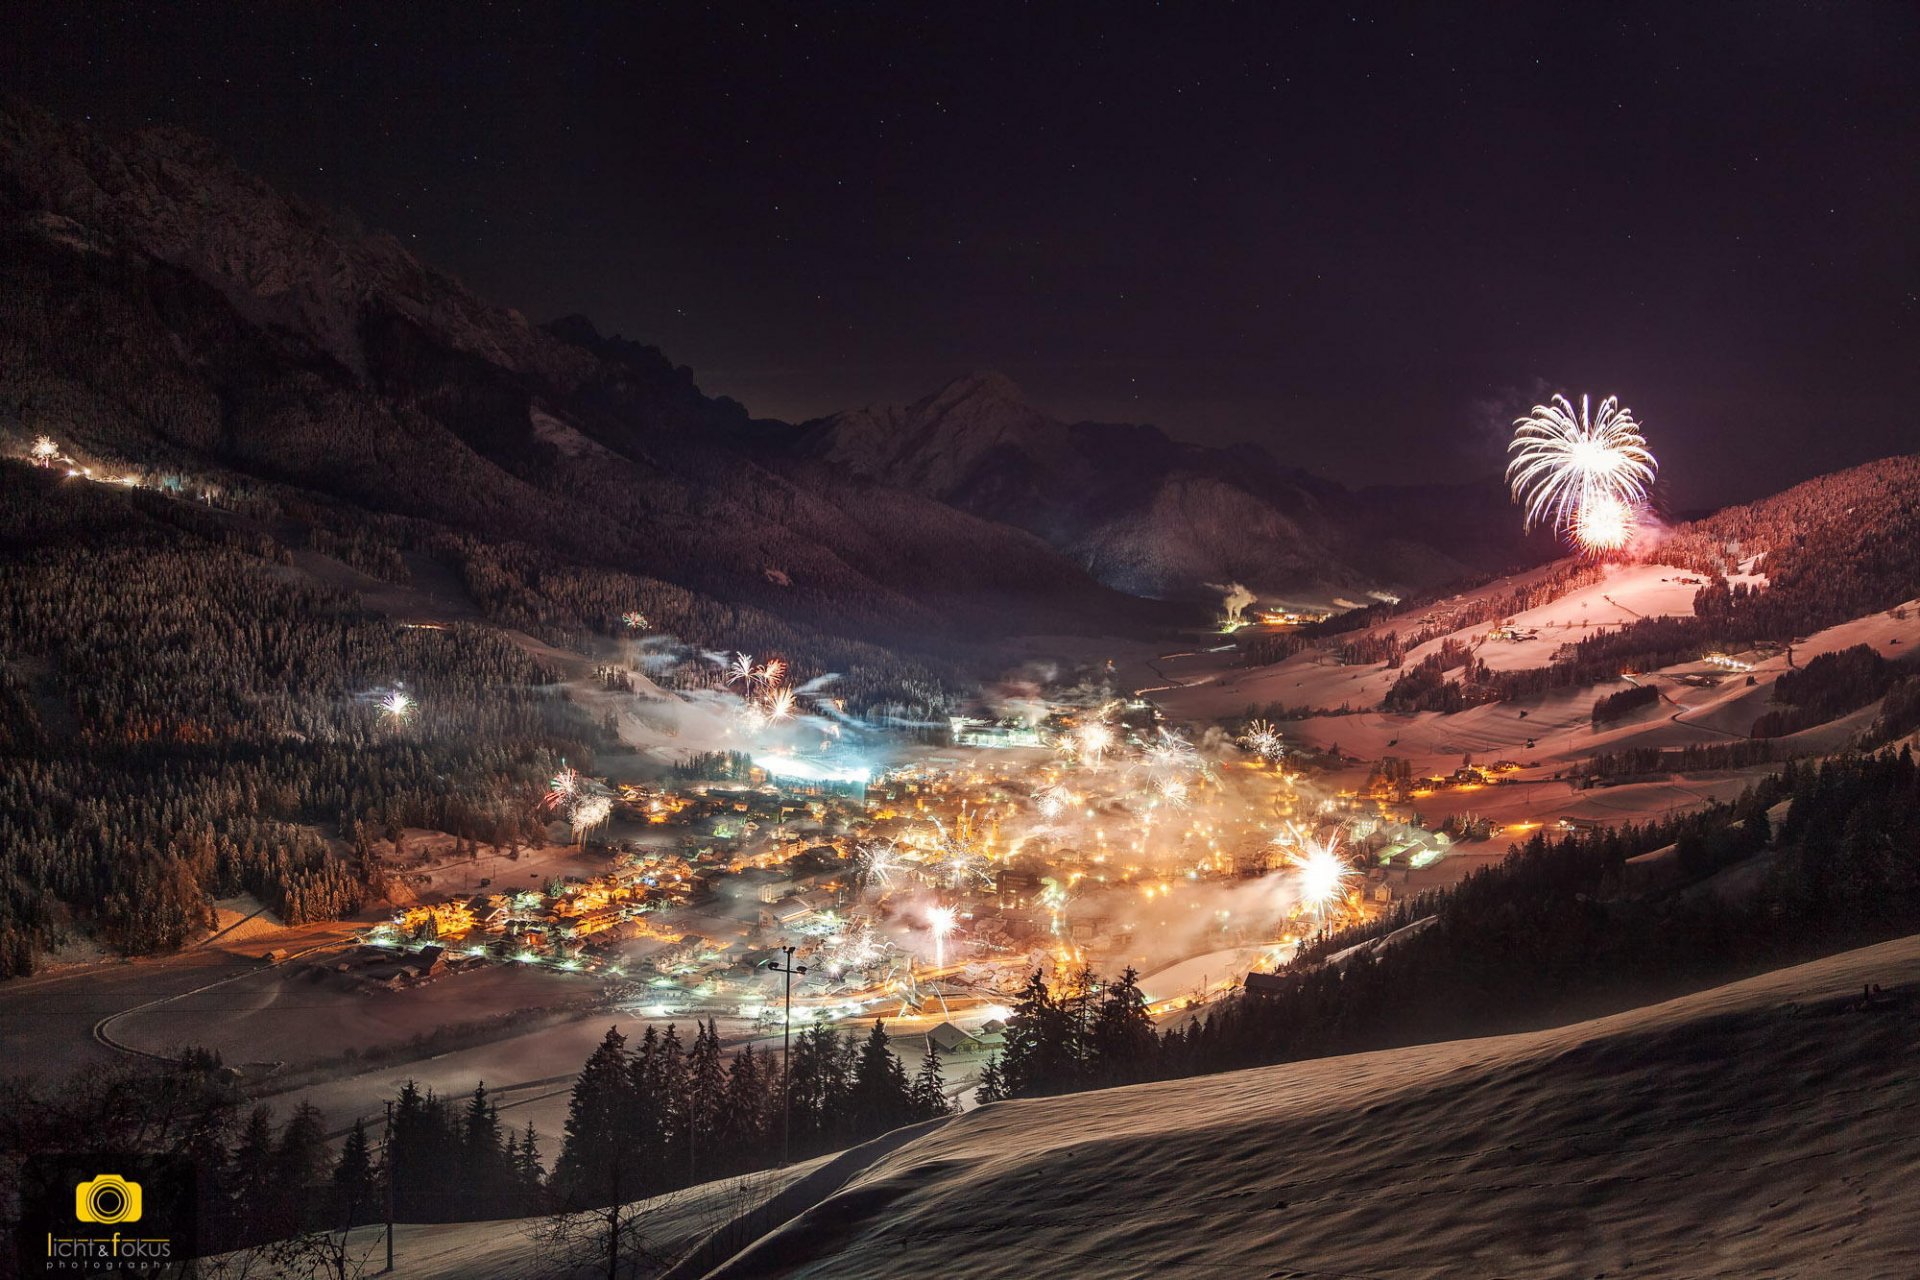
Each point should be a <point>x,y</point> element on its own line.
<point>1263,740</point>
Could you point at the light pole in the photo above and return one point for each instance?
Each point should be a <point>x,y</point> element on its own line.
<point>786,1057</point>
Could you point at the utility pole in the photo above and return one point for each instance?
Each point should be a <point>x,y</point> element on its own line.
<point>387,1142</point>
<point>786,1058</point>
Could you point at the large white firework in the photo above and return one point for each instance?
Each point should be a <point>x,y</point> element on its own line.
<point>1585,473</point>
<point>1321,874</point>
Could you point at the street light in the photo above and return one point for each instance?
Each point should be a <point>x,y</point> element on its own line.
<point>786,1057</point>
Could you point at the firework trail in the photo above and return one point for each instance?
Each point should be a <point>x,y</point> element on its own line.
<point>1565,463</point>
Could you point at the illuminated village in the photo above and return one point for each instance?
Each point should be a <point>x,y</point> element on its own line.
<point>1097,840</point>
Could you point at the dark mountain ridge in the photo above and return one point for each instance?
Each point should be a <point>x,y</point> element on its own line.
<point>168,309</point>
<point>1155,516</point>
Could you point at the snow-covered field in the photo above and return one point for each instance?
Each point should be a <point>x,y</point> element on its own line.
<point>1767,1128</point>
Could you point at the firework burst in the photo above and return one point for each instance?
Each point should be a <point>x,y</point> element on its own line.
<point>397,705</point>
<point>878,862</point>
<point>587,813</point>
<point>1089,743</point>
<point>1321,874</point>
<point>1263,740</point>
<point>44,451</point>
<point>563,788</point>
<point>634,620</point>
<point>1583,472</point>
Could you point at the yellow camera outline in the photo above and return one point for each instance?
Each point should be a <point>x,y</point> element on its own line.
<point>85,1195</point>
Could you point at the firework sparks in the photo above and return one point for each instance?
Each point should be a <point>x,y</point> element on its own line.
<point>1321,874</point>
<point>634,620</point>
<point>563,788</point>
<point>879,862</point>
<point>1582,472</point>
<point>44,451</point>
<point>1605,523</point>
<point>742,672</point>
<point>1090,742</point>
<point>397,705</point>
<point>589,812</point>
<point>779,705</point>
<point>1263,740</point>
<point>1055,800</point>
<point>940,923</point>
<point>1170,751</point>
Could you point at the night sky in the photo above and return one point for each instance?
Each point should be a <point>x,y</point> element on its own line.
<point>1364,237</point>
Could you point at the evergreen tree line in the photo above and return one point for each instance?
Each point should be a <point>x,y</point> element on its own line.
<point>179,723</point>
<point>662,1115</point>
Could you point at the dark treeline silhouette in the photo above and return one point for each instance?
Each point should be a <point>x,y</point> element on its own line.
<point>1828,687</point>
<point>1614,705</point>
<point>662,1115</point>
<point>1645,761</point>
<point>1552,932</point>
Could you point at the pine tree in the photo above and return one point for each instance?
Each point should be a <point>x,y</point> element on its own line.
<point>594,1147</point>
<point>671,1085</point>
<point>300,1163</point>
<point>1122,1041</point>
<point>1039,1056</point>
<point>929,1095</point>
<point>881,1096</point>
<point>526,1167</point>
<point>706,1098</point>
<point>254,1180</point>
<point>355,1194</point>
<point>752,1092</point>
<point>485,1185</point>
<point>992,1086</point>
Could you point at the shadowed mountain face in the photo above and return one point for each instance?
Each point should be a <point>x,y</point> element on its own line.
<point>1148,514</point>
<point>168,309</point>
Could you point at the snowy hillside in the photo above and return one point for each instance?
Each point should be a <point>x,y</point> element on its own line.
<point>1763,1128</point>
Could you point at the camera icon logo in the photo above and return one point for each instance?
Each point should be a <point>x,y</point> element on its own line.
<point>108,1199</point>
